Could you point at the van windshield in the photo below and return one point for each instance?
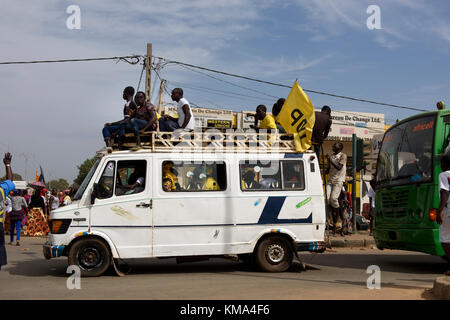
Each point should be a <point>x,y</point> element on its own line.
<point>86,180</point>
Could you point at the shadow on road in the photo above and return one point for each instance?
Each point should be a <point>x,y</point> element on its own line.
<point>403,263</point>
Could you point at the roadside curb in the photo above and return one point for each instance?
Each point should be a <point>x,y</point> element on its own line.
<point>441,288</point>
<point>349,243</point>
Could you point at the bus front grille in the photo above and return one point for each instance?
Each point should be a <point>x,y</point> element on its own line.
<point>395,199</point>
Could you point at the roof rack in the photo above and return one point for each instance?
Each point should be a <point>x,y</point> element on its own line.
<point>210,141</point>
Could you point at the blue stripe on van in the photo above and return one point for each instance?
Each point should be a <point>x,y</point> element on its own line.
<point>293,155</point>
<point>272,209</point>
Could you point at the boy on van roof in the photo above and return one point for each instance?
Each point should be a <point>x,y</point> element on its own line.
<point>145,119</point>
<point>267,121</point>
<point>128,112</point>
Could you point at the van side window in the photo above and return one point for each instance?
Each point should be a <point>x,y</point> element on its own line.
<point>106,182</point>
<point>260,175</point>
<point>193,176</point>
<point>293,175</point>
<point>131,176</point>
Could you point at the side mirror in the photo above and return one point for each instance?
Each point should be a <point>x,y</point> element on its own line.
<point>94,193</point>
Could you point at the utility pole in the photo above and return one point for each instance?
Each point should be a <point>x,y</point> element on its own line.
<point>354,182</point>
<point>161,92</point>
<point>148,66</point>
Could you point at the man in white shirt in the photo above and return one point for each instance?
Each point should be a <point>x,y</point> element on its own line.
<point>443,214</point>
<point>337,165</point>
<point>185,119</point>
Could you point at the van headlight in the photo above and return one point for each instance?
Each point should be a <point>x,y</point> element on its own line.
<point>59,226</point>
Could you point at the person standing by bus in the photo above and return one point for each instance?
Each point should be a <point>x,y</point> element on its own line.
<point>371,195</point>
<point>337,164</point>
<point>5,188</point>
<point>443,214</point>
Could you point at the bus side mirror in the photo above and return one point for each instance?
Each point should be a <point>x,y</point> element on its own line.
<point>94,193</point>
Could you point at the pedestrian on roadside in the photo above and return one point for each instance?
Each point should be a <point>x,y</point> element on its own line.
<point>67,200</point>
<point>16,216</point>
<point>54,200</point>
<point>5,188</point>
<point>337,165</point>
<point>443,214</point>
<point>371,195</point>
<point>321,128</point>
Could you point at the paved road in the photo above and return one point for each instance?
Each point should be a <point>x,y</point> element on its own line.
<point>339,274</point>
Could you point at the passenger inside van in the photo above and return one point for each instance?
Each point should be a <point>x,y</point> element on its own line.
<point>293,175</point>
<point>167,185</point>
<point>248,180</point>
<point>169,172</point>
<point>135,183</point>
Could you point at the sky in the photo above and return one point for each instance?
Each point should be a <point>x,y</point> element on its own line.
<point>53,113</point>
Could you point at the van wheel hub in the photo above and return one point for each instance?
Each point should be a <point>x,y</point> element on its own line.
<point>275,253</point>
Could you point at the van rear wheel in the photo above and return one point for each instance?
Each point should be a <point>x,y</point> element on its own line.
<point>274,254</point>
<point>91,255</point>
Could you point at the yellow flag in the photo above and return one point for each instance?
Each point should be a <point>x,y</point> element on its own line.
<point>297,116</point>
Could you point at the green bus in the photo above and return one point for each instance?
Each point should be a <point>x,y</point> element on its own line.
<point>407,179</point>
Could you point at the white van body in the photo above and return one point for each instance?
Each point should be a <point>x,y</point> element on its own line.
<point>157,223</point>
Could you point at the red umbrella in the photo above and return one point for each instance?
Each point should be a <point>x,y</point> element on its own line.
<point>37,185</point>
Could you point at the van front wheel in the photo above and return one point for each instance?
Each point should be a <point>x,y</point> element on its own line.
<point>91,255</point>
<point>274,254</point>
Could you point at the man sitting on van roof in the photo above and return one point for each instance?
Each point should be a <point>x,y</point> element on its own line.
<point>185,119</point>
<point>144,120</point>
<point>267,121</point>
<point>128,112</point>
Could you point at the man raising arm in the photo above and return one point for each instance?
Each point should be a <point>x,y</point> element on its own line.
<point>5,188</point>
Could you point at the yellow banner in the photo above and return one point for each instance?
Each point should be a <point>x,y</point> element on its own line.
<point>297,116</point>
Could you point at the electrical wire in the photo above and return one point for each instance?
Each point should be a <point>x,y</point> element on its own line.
<point>164,62</point>
<point>287,86</point>
<point>118,58</point>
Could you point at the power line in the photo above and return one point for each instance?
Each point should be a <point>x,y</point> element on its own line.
<point>287,86</point>
<point>119,58</point>
<point>136,59</point>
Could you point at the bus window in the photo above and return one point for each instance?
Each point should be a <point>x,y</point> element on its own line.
<point>131,177</point>
<point>260,176</point>
<point>293,175</point>
<point>106,182</point>
<point>197,177</point>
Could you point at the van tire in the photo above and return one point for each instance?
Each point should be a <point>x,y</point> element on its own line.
<point>274,254</point>
<point>92,256</point>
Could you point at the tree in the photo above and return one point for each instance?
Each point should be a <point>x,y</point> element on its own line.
<point>84,170</point>
<point>60,184</point>
<point>16,177</point>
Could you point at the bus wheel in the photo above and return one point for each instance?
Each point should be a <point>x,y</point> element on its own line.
<point>91,255</point>
<point>274,254</point>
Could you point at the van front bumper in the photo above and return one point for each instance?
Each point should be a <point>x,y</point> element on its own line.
<point>51,251</point>
<point>317,246</point>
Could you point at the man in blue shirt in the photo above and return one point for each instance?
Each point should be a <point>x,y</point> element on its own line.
<point>5,188</point>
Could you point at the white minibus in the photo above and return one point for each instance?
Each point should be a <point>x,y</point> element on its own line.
<point>142,204</point>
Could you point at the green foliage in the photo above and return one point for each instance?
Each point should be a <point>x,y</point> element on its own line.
<point>83,170</point>
<point>16,177</point>
<point>60,184</point>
